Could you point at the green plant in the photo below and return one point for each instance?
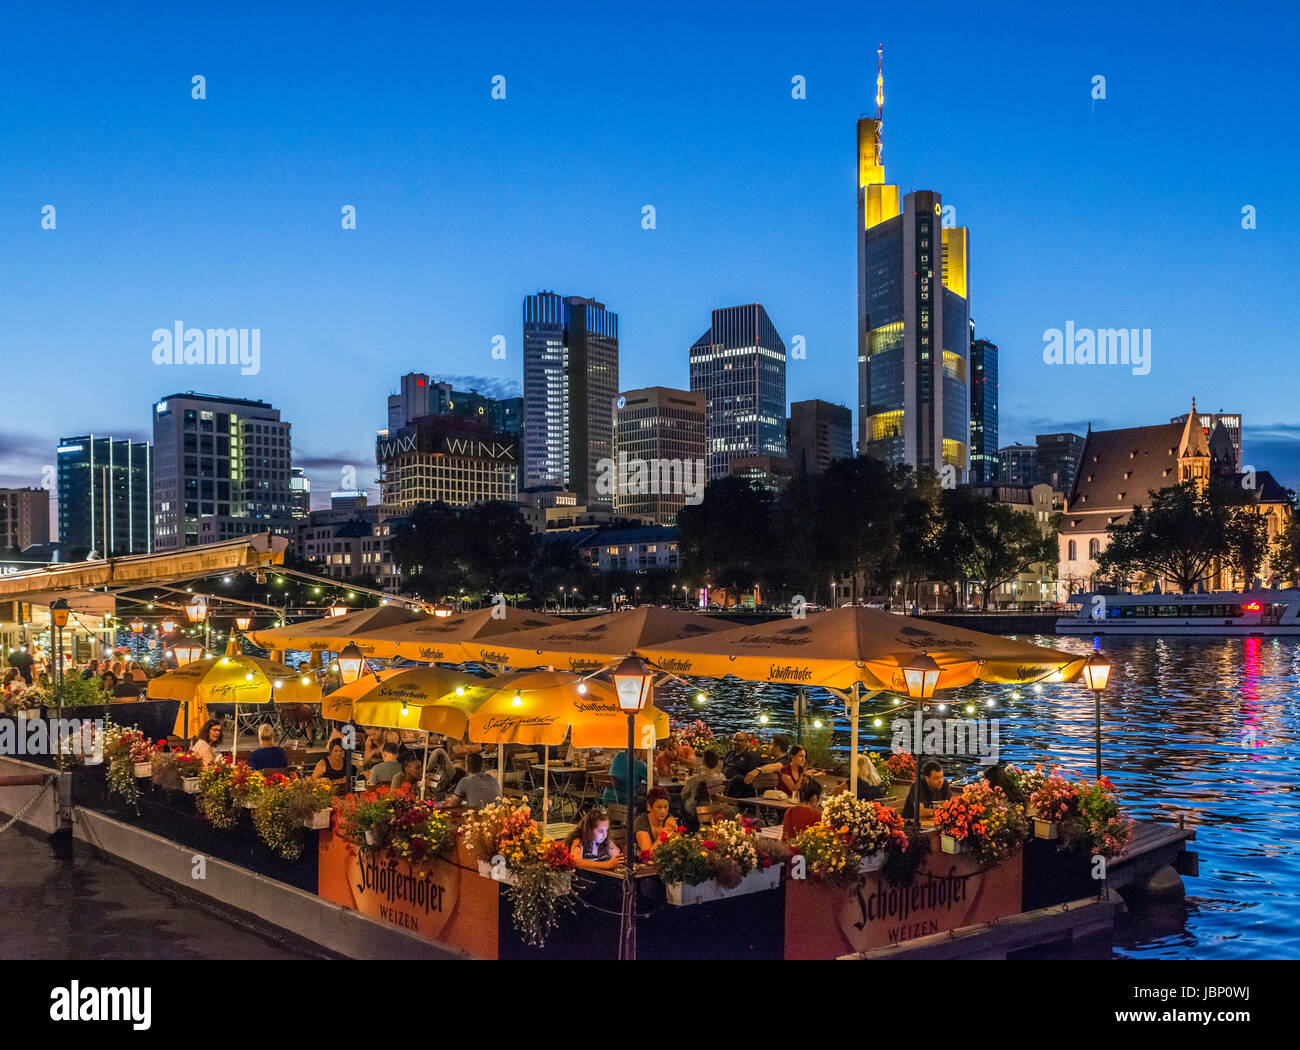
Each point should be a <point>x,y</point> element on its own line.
<point>122,749</point>
<point>882,769</point>
<point>1099,825</point>
<point>75,691</point>
<point>215,800</point>
<point>681,858</point>
<point>274,819</point>
<point>818,743</point>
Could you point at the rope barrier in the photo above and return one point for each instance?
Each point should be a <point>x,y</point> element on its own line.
<point>26,809</point>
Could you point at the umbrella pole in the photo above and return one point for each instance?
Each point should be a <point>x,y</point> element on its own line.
<point>426,763</point>
<point>546,784</point>
<point>234,743</point>
<point>501,773</point>
<point>853,743</point>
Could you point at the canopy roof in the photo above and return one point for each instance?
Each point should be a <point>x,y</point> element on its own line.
<point>437,639</point>
<point>330,633</point>
<point>842,647</point>
<point>377,700</point>
<point>549,704</point>
<point>597,641</point>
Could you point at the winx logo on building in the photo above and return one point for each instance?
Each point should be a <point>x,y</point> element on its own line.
<point>179,345</point>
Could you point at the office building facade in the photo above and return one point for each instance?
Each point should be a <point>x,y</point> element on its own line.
<point>1057,460</point>
<point>1017,465</point>
<point>662,428</point>
<point>739,367</point>
<point>570,386</point>
<point>105,495</point>
<point>983,412</point>
<point>418,396</point>
<point>817,434</point>
<point>24,518</point>
<point>913,321</point>
<point>222,469</point>
<point>445,459</point>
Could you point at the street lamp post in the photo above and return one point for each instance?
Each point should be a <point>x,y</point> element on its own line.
<point>1096,675</point>
<point>632,684</point>
<point>921,676</point>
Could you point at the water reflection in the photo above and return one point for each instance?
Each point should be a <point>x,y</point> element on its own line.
<point>1206,728</point>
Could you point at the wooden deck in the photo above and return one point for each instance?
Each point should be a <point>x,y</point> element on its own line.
<point>1154,845</point>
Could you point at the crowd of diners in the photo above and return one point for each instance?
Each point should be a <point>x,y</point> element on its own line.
<point>456,776</point>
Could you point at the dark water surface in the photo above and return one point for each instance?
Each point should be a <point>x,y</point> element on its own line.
<point>1207,728</point>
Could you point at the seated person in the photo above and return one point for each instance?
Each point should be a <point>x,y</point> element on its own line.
<point>205,745</point>
<point>267,755</point>
<point>384,771</point>
<point>618,772</point>
<point>445,775</point>
<point>696,788</point>
<point>411,775</point>
<point>665,755</point>
<point>795,772</point>
<point>780,758</point>
<point>807,813</point>
<point>741,767</point>
<point>997,777</point>
<point>589,842</point>
<point>652,823</point>
<point>929,789</point>
<point>476,788</point>
<point>332,766</point>
<point>870,786</point>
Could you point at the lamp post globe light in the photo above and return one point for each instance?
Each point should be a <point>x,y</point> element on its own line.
<point>1096,676</point>
<point>243,622</point>
<point>632,684</point>
<point>921,675</point>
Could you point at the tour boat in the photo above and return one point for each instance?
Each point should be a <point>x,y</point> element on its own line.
<point>1255,612</point>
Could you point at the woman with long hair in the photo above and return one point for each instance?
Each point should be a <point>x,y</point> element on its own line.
<point>589,843</point>
<point>205,744</point>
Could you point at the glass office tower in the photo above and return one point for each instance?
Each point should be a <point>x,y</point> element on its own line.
<point>983,412</point>
<point>105,495</point>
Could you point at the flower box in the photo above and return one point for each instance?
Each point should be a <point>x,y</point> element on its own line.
<point>1046,829</point>
<point>319,820</point>
<point>485,869</point>
<point>872,862</point>
<point>190,785</point>
<point>950,845</point>
<point>143,769</point>
<point>1031,810</point>
<point>758,880</point>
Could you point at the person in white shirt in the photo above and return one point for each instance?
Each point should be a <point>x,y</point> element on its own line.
<point>205,744</point>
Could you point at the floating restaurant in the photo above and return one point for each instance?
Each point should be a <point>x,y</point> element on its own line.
<point>525,797</point>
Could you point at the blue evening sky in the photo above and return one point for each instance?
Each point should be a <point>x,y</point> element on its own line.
<point>1125,212</point>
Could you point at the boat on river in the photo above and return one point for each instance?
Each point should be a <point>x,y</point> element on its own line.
<point>1256,612</point>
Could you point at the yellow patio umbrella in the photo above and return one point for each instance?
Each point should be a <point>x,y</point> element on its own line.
<point>438,639</point>
<point>543,707</point>
<point>595,642</point>
<point>845,649</point>
<point>330,633</point>
<point>230,679</point>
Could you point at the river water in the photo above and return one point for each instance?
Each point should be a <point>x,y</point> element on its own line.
<point>1202,727</point>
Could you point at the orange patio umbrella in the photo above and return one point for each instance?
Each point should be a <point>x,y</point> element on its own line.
<point>595,642</point>
<point>377,699</point>
<point>437,639</point>
<point>543,707</point>
<point>330,633</point>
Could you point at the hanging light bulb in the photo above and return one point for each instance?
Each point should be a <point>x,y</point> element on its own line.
<point>517,700</point>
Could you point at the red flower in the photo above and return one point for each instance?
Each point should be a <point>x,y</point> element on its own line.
<point>645,856</point>
<point>709,844</point>
<point>663,836</point>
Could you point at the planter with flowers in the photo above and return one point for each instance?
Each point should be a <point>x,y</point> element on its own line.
<point>1027,782</point>
<point>216,801</point>
<point>1098,825</point>
<point>311,802</point>
<point>901,767</point>
<point>728,859</point>
<point>511,848</point>
<point>189,769</point>
<point>981,821</point>
<point>882,769</point>
<point>121,746</point>
<point>246,785</point>
<point>413,828</point>
<point>1056,803</point>
<point>851,839</point>
<point>698,735</point>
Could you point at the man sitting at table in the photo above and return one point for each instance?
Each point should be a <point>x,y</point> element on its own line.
<point>475,789</point>
<point>931,788</point>
<point>383,772</point>
<point>741,767</point>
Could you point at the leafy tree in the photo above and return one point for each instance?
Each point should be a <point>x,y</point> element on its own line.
<point>859,504</point>
<point>1177,538</point>
<point>1247,542</point>
<point>727,540</point>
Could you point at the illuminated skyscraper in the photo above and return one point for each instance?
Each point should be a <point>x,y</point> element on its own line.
<point>983,412</point>
<point>570,386</point>
<point>739,367</point>
<point>913,319</point>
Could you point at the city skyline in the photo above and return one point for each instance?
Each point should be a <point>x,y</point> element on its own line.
<point>239,223</point>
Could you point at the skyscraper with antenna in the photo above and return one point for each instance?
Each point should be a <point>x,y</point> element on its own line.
<point>913,316</point>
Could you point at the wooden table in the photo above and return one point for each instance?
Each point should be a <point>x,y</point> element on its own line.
<point>760,801</point>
